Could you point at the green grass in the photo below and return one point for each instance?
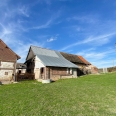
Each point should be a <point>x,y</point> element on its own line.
<point>92,95</point>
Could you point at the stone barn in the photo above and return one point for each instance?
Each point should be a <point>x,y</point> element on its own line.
<point>84,67</point>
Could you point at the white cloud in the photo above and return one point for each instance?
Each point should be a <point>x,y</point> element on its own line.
<point>4,31</point>
<point>12,29</point>
<point>46,25</point>
<point>99,59</point>
<point>92,19</point>
<point>97,41</point>
<point>97,55</point>
<point>51,39</point>
<point>22,49</point>
<point>12,36</point>
<point>24,11</point>
<point>10,11</point>
<point>49,22</point>
<point>104,63</point>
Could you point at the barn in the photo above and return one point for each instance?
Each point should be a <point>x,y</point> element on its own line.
<point>84,67</point>
<point>49,64</point>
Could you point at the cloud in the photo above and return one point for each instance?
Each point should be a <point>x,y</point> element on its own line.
<point>11,11</point>
<point>92,19</point>
<point>46,25</point>
<point>51,39</point>
<point>12,28</point>
<point>13,25</point>
<point>49,22</point>
<point>12,37</point>
<point>22,48</point>
<point>7,33</point>
<point>24,11</point>
<point>97,41</point>
<point>99,59</point>
<point>4,30</point>
<point>91,53</point>
<point>104,63</point>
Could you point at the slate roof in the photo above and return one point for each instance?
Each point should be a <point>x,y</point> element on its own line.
<point>6,53</point>
<point>51,57</point>
<point>21,66</point>
<point>74,58</point>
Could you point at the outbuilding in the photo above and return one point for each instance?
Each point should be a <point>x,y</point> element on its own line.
<point>49,64</point>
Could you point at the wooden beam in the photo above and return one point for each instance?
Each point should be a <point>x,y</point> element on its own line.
<point>7,69</point>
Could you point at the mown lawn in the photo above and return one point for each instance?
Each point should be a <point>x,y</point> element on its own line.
<point>92,95</point>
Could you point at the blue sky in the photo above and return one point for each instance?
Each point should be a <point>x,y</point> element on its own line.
<point>82,27</point>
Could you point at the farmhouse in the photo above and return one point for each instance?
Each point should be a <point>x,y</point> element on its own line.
<point>49,64</point>
<point>21,68</point>
<point>84,66</point>
<point>8,61</point>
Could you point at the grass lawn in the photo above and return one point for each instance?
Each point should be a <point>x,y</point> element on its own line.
<point>92,95</point>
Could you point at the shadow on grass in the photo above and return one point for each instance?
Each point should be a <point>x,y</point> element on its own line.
<point>1,83</point>
<point>52,81</point>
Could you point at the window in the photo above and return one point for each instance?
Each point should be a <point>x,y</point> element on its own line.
<point>68,70</point>
<point>6,73</point>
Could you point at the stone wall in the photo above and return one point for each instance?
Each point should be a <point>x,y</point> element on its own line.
<point>7,71</point>
<point>6,75</point>
<point>7,65</point>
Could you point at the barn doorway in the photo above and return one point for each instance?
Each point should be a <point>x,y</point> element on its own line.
<point>42,73</point>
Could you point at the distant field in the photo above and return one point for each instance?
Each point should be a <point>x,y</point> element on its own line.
<point>92,95</point>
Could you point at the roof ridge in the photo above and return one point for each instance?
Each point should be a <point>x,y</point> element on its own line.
<point>42,48</point>
<point>10,49</point>
<point>84,60</point>
<point>70,53</point>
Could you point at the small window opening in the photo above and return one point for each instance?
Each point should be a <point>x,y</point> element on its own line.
<point>19,71</point>
<point>6,73</point>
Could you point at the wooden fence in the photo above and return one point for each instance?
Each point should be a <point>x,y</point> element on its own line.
<point>25,76</point>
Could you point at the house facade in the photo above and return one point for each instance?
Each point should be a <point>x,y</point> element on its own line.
<point>8,61</point>
<point>49,64</point>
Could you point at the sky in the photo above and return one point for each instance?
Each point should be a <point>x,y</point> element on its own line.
<point>82,27</point>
